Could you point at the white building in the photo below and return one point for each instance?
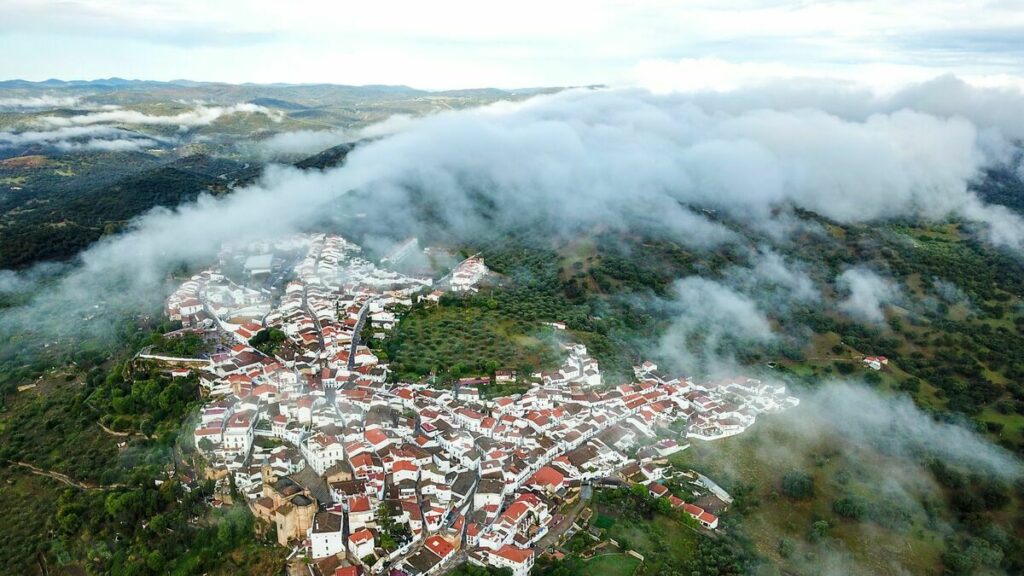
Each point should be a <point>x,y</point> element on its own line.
<point>325,535</point>
<point>360,543</point>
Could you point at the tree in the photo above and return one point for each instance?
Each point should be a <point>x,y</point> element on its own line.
<point>851,507</point>
<point>798,485</point>
<point>785,547</point>
<point>819,531</point>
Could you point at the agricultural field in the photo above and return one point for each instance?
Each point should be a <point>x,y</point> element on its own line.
<point>456,341</point>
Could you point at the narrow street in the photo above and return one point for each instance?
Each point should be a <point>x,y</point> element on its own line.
<point>556,531</point>
<point>356,339</point>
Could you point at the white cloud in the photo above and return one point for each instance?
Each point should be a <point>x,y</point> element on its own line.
<point>867,294</point>
<point>97,131</point>
<point>863,416</point>
<point>304,142</point>
<point>80,137</point>
<point>117,145</point>
<point>199,116</point>
<point>774,279</point>
<point>716,74</point>
<point>708,320</point>
<point>44,101</point>
<point>579,160</point>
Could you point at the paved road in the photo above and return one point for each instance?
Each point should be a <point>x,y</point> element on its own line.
<point>551,538</point>
<point>356,340</point>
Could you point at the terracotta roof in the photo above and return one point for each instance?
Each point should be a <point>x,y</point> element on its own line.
<point>514,554</point>
<point>548,477</point>
<point>361,536</point>
<point>359,504</point>
<point>439,546</point>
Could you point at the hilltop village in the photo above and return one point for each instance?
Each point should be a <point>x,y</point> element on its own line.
<point>360,473</point>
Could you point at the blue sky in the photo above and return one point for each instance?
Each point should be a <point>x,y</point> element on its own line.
<point>443,44</point>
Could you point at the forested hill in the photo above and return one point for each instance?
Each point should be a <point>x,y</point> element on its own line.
<point>62,206</point>
<point>1003,185</point>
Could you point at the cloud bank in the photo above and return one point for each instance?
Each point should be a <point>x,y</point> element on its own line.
<point>623,160</point>
<point>304,142</point>
<point>309,142</point>
<point>40,102</point>
<point>80,138</point>
<point>200,116</point>
<point>98,130</point>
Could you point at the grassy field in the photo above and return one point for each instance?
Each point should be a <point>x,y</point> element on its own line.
<point>664,542</point>
<point>1013,424</point>
<point>612,565</point>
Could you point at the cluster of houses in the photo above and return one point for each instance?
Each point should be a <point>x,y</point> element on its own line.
<point>468,274</point>
<point>407,478</point>
<point>579,367</point>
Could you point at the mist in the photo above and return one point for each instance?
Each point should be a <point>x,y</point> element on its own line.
<point>883,446</point>
<point>304,142</point>
<point>867,294</point>
<point>898,427</point>
<point>709,321</point>
<point>40,102</point>
<point>620,160</point>
<point>309,142</point>
<point>68,135</point>
<point>116,145</point>
<point>199,116</point>
<point>691,168</point>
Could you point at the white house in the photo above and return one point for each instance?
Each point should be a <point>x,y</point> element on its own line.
<point>360,543</point>
<point>519,560</point>
<point>325,535</point>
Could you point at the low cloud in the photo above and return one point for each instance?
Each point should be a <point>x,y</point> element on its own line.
<point>304,142</point>
<point>990,108</point>
<point>709,321</point>
<point>40,102</point>
<point>308,142</point>
<point>199,116</point>
<point>898,427</point>
<point>882,447</point>
<point>852,416</point>
<point>80,138</point>
<point>775,277</point>
<point>620,160</point>
<point>867,293</point>
<point>118,145</point>
<point>11,281</point>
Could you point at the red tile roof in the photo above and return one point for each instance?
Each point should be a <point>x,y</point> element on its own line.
<point>547,477</point>
<point>514,554</point>
<point>361,536</point>
<point>439,546</point>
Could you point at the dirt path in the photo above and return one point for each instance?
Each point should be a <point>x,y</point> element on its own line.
<point>122,434</point>
<point>65,478</point>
